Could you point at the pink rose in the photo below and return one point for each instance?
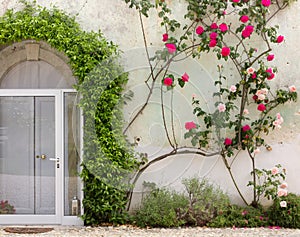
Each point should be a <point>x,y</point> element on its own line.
<point>256,151</point>
<point>165,37</point>
<point>214,26</point>
<point>236,1</point>
<point>221,107</point>
<point>270,57</point>
<point>227,141</point>
<point>244,213</point>
<point>279,120</point>
<point>283,185</point>
<point>232,88</point>
<point>212,43</point>
<point>274,171</point>
<point>168,81</point>
<point>190,125</point>
<point>185,77</point>
<point>282,192</point>
<point>261,97</point>
<point>261,107</point>
<point>225,51</point>
<point>199,30</point>
<point>244,18</point>
<point>278,116</point>
<point>246,128</point>
<point>292,88</point>
<point>250,70</point>
<point>246,112</point>
<point>276,124</point>
<point>279,39</point>
<point>266,3</point>
<point>223,27</point>
<point>253,76</point>
<point>171,48</point>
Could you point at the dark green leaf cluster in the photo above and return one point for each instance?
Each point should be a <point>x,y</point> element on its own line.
<point>61,31</point>
<point>286,216</point>
<point>238,216</point>
<point>142,5</point>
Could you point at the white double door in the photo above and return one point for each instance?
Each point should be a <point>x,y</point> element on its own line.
<point>31,154</point>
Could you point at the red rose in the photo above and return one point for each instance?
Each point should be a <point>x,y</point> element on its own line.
<point>190,125</point>
<point>165,37</point>
<point>168,81</point>
<point>244,18</point>
<point>212,43</point>
<point>223,27</point>
<point>199,30</point>
<point>214,26</point>
<point>171,48</point>
<point>246,128</point>
<point>261,107</point>
<point>279,39</point>
<point>225,51</point>
<point>227,141</point>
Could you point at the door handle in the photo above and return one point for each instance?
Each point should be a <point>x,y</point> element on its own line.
<point>57,161</point>
<point>54,159</point>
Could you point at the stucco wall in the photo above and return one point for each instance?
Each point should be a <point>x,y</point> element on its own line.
<point>121,25</point>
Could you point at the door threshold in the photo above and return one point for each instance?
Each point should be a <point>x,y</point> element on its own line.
<point>37,220</point>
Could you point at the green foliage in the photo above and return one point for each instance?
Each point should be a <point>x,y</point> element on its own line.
<point>205,202</point>
<point>160,209</point>
<point>105,148</point>
<point>237,216</point>
<point>196,207</point>
<point>108,158</point>
<point>285,211</point>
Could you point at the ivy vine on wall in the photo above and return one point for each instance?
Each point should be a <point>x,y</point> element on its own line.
<point>108,159</point>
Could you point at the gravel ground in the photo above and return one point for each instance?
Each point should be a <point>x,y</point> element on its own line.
<point>128,231</point>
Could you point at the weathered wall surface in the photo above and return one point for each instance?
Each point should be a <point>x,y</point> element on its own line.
<point>121,25</point>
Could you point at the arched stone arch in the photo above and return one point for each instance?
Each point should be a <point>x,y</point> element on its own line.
<point>35,53</point>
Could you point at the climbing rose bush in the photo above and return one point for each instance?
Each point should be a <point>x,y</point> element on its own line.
<point>255,74</point>
<point>244,110</point>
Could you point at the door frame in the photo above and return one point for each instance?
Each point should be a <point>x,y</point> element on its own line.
<point>58,218</point>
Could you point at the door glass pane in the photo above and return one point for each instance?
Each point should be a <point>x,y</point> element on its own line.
<point>27,131</point>
<point>45,150</point>
<point>71,155</point>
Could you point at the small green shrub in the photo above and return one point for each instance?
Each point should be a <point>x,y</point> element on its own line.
<point>159,209</point>
<point>205,201</point>
<point>197,207</point>
<point>238,216</point>
<point>285,211</point>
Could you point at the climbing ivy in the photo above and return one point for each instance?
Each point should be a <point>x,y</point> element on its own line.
<point>108,159</point>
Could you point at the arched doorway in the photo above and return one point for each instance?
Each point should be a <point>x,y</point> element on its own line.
<point>39,136</point>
